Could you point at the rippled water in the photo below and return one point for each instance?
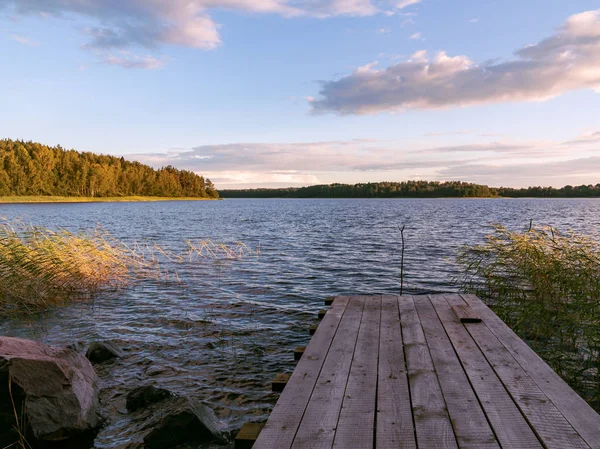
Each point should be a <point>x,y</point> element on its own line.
<point>223,332</point>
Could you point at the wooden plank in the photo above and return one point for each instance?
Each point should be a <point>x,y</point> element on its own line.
<point>395,427</point>
<point>471,427</point>
<point>279,382</point>
<point>283,423</point>
<point>550,425</point>
<point>465,314</point>
<point>248,435</point>
<point>317,429</point>
<point>356,424</point>
<point>510,427</point>
<point>578,412</point>
<point>298,352</point>
<point>432,423</point>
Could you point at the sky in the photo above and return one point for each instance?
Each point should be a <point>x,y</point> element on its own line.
<point>274,93</point>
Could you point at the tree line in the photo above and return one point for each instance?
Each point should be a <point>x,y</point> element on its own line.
<point>413,189</point>
<point>29,168</point>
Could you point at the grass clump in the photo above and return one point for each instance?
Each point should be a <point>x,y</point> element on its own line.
<point>546,287</point>
<point>40,268</point>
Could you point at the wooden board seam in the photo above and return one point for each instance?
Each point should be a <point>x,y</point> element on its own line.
<point>533,378</point>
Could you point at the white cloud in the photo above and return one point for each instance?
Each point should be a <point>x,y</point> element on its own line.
<point>297,163</point>
<point>568,60</point>
<point>588,138</point>
<point>415,36</point>
<point>554,173</point>
<point>242,179</point>
<point>474,20</point>
<point>404,3</point>
<point>23,40</point>
<point>363,160</point>
<point>151,23</point>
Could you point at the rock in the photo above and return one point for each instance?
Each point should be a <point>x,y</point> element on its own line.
<point>183,420</point>
<point>54,391</point>
<point>142,397</point>
<point>102,351</point>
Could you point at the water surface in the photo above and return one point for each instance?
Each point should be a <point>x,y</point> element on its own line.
<point>224,330</point>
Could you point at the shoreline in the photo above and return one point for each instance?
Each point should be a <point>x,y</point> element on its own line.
<point>83,199</point>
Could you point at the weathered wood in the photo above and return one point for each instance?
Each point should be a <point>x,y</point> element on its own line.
<point>298,352</point>
<point>317,429</point>
<point>283,423</point>
<point>465,314</point>
<point>471,427</point>
<point>279,382</point>
<point>432,423</point>
<point>356,424</point>
<point>405,372</point>
<point>395,428</point>
<point>549,424</point>
<point>509,425</point>
<point>581,416</point>
<point>248,434</point>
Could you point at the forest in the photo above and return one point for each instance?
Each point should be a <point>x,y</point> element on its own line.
<point>29,168</point>
<point>413,189</point>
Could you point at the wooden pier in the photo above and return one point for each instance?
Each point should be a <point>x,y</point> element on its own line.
<point>437,371</point>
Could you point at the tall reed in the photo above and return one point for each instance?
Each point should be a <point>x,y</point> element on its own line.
<point>546,286</point>
<point>41,268</point>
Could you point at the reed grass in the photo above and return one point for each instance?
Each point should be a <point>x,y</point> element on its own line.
<point>546,286</point>
<point>41,268</point>
<point>218,250</point>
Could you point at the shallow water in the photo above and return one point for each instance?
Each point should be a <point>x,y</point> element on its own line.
<point>224,330</point>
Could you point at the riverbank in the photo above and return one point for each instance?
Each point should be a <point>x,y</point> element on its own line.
<point>83,199</point>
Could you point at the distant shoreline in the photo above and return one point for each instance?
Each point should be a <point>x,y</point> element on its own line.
<point>414,189</point>
<point>410,198</point>
<point>83,199</point>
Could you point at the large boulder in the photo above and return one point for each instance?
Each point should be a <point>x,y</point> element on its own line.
<point>50,394</point>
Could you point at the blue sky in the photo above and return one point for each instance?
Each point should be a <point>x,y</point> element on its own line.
<point>295,92</point>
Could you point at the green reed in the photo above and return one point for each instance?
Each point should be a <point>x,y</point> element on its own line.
<point>546,287</point>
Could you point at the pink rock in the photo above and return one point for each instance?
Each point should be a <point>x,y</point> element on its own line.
<point>54,391</point>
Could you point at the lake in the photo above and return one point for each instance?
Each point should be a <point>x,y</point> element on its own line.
<point>224,328</point>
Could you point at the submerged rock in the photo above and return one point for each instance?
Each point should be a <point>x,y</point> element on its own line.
<point>161,420</point>
<point>51,392</point>
<point>102,351</point>
<point>142,397</point>
<point>183,420</point>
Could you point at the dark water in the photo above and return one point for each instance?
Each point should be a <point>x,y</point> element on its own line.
<point>224,330</point>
